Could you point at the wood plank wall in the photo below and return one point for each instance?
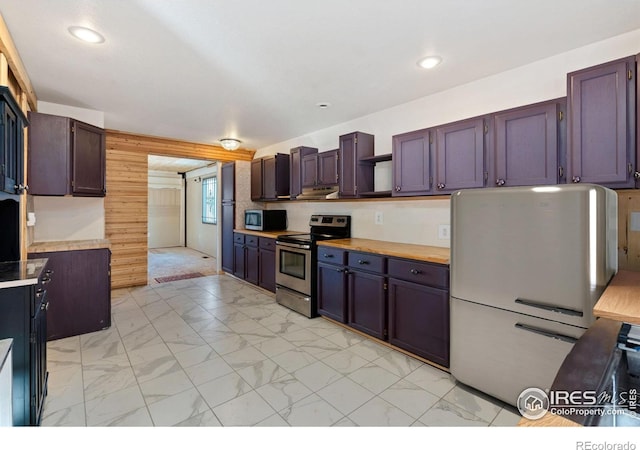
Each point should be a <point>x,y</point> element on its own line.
<point>126,216</point>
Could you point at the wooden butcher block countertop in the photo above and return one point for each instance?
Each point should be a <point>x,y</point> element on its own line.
<point>621,299</point>
<point>426,253</point>
<point>62,246</point>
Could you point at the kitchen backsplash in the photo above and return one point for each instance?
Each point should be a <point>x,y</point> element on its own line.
<point>405,221</point>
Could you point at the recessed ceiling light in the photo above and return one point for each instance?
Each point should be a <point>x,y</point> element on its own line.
<point>86,35</point>
<point>429,62</point>
<point>323,105</point>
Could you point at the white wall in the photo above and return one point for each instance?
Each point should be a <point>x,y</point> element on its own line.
<point>166,209</point>
<point>200,236</point>
<point>69,218</point>
<point>417,221</point>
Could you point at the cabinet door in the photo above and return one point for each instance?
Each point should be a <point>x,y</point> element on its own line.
<point>328,168</point>
<point>79,293</point>
<point>256,179</point>
<point>227,219</point>
<point>348,164</point>
<point>239,260</point>
<point>411,164</point>
<point>601,127</point>
<point>269,178</point>
<point>526,145</point>
<point>367,303</point>
<point>295,183</point>
<point>332,292</point>
<point>38,357</point>
<point>49,154</point>
<point>228,185</point>
<point>252,265</point>
<point>419,320</point>
<point>88,157</point>
<point>460,155</point>
<point>310,170</point>
<point>11,152</point>
<point>267,265</point>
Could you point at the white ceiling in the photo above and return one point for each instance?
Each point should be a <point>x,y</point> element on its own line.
<point>201,70</point>
<point>176,165</point>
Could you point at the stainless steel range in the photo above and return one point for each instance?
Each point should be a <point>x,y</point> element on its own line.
<point>296,262</point>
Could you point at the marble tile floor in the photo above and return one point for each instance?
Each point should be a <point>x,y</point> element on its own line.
<point>215,351</point>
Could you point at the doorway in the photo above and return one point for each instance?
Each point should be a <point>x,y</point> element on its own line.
<point>178,246</point>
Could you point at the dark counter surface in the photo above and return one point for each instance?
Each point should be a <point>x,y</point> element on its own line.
<point>21,273</point>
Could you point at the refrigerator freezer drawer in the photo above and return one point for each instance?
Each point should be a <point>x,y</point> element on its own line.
<point>502,353</point>
<point>543,251</point>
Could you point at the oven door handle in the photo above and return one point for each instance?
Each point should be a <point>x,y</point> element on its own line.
<point>291,245</point>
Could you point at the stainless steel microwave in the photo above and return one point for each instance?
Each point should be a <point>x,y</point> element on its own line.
<point>265,219</point>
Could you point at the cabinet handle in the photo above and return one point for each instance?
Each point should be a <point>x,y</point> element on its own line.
<point>47,307</point>
<point>500,182</point>
<point>45,280</point>
<point>440,186</point>
<point>40,293</point>
<point>636,175</point>
<point>44,307</point>
<point>362,261</point>
<point>48,271</point>
<point>398,188</point>
<point>576,179</point>
<point>415,271</point>
<point>340,270</point>
<point>327,255</point>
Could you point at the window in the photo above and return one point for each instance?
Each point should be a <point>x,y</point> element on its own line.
<point>209,193</point>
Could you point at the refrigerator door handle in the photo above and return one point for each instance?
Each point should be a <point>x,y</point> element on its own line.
<point>558,309</point>
<point>549,334</point>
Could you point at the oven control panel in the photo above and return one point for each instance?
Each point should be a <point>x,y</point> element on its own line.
<point>329,221</point>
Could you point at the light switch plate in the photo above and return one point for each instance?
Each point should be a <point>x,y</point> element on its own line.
<point>379,218</point>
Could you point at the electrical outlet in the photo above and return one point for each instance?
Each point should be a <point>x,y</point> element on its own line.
<point>444,232</point>
<point>378,218</point>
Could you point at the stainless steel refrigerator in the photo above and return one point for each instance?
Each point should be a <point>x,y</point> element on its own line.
<point>527,266</point>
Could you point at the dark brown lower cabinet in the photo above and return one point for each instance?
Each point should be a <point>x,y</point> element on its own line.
<point>79,292</point>
<point>419,320</point>
<point>332,292</point>
<point>267,264</point>
<point>23,317</point>
<point>254,260</point>
<point>367,303</point>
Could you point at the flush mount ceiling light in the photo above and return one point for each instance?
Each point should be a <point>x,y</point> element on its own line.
<point>86,35</point>
<point>230,143</point>
<point>323,105</point>
<point>429,62</point>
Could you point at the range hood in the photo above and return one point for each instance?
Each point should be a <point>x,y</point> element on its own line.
<point>319,193</point>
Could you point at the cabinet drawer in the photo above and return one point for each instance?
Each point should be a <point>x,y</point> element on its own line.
<point>419,272</point>
<point>251,240</point>
<point>367,261</point>
<point>331,255</point>
<point>238,238</point>
<point>267,243</point>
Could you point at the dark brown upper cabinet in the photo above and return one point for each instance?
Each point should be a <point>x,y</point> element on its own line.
<point>355,177</point>
<point>411,164</point>
<point>270,177</point>
<point>12,123</point>
<point>460,155</point>
<point>529,145</point>
<point>601,127</point>
<point>65,157</point>
<point>299,156</point>
<point>328,168</point>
